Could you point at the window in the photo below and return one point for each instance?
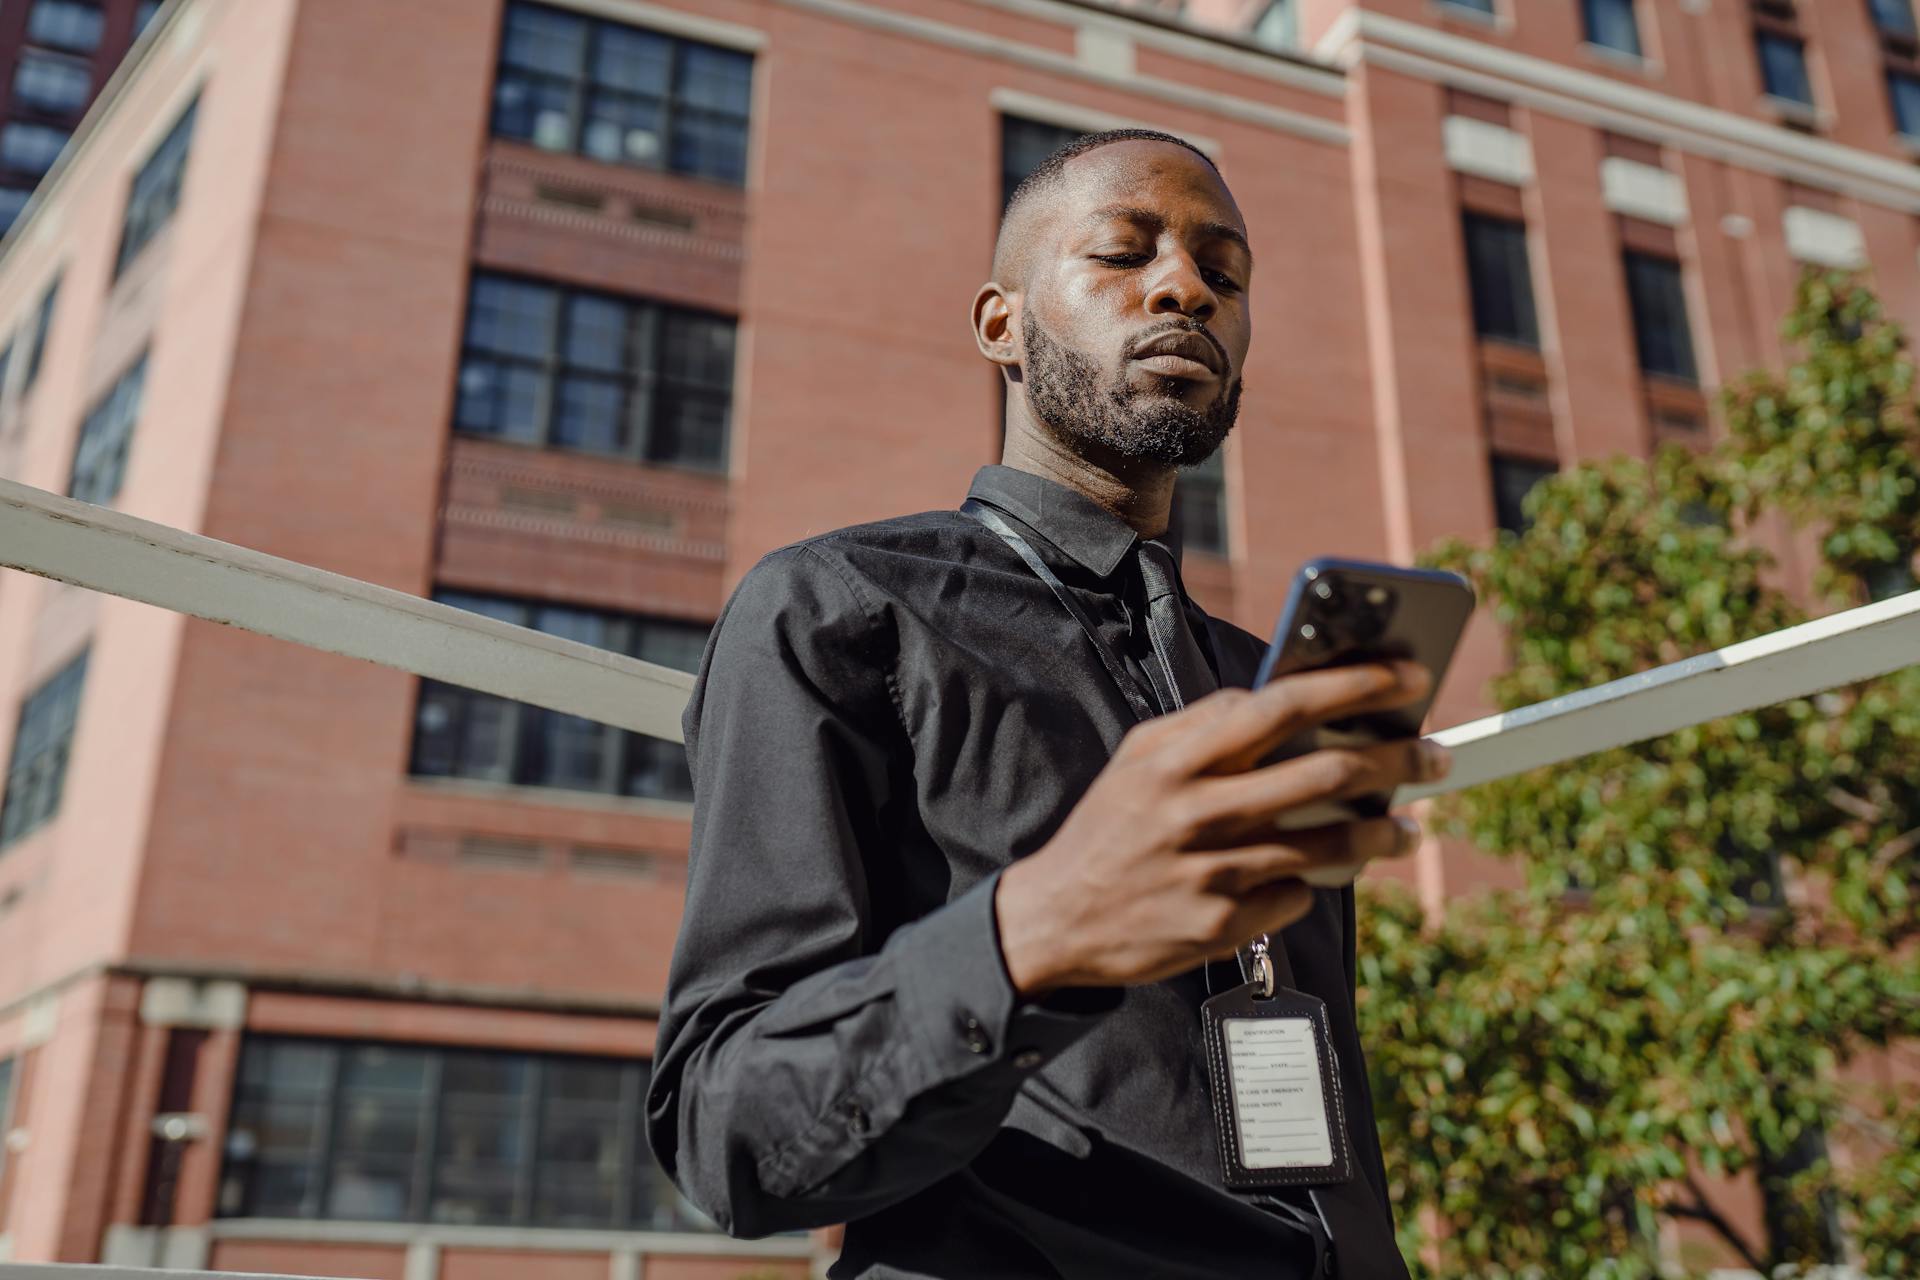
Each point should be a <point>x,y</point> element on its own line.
<point>156,190</point>
<point>6,367</point>
<point>54,85</point>
<point>459,733</point>
<point>12,201</point>
<point>392,1133</point>
<point>1611,24</point>
<point>42,740</point>
<point>1783,67</point>
<point>31,148</point>
<point>1473,6</point>
<point>143,15</point>
<point>37,341</point>
<point>597,373</point>
<point>1895,17</point>
<point>1023,145</point>
<point>66,24</point>
<point>1659,304</point>
<point>1904,91</point>
<point>6,1106</point>
<point>1500,280</point>
<point>1200,505</point>
<point>1278,26</point>
<point>100,459</point>
<point>1513,480</point>
<point>620,94</point>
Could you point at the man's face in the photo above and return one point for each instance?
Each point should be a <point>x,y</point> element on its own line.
<point>1134,329</point>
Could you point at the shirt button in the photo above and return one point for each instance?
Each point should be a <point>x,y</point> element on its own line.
<point>1028,1059</point>
<point>1328,1267</point>
<point>974,1036</point>
<point>856,1118</point>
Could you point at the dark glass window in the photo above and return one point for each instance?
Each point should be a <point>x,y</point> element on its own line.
<point>1612,23</point>
<point>1278,26</point>
<point>66,24</point>
<point>31,148</point>
<point>1895,16</point>
<point>106,435</point>
<point>143,14</point>
<point>1513,480</point>
<point>57,86</point>
<point>1659,303</point>
<point>12,201</point>
<point>37,340</point>
<point>1023,145</point>
<point>156,190</point>
<point>1200,505</point>
<point>6,1105</point>
<point>1478,6</point>
<point>389,1133</point>
<point>1904,91</point>
<point>1501,280</point>
<point>568,82</point>
<point>42,741</point>
<point>1783,67</point>
<point>597,373</point>
<point>459,733</point>
<point>6,367</point>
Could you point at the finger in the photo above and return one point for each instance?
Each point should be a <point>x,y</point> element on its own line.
<point>1244,801</point>
<point>1348,846</point>
<point>1272,908</point>
<point>1235,736</point>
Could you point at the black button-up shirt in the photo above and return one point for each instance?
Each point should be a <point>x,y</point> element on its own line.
<point>885,717</point>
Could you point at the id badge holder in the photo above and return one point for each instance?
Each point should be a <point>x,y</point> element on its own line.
<point>1276,1087</point>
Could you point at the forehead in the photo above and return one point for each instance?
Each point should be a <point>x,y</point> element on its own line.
<point>1159,176</point>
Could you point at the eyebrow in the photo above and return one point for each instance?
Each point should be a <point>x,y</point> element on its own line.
<point>1134,213</point>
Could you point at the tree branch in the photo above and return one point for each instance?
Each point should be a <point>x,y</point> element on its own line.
<point>1702,1211</point>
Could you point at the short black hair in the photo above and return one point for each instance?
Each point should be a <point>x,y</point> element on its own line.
<point>1048,171</point>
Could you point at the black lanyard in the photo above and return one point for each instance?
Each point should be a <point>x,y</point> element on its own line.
<point>1129,688</point>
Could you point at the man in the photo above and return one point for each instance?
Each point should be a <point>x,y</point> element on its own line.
<point>953,904</point>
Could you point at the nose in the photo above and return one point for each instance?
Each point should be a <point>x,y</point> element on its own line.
<point>1179,289</point>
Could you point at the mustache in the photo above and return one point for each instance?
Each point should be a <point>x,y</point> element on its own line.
<point>1178,326</point>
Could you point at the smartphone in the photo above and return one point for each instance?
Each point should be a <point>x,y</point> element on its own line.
<point>1340,612</point>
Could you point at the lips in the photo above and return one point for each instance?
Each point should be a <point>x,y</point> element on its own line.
<point>1181,355</point>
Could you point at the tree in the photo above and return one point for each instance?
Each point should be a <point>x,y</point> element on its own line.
<point>1714,924</point>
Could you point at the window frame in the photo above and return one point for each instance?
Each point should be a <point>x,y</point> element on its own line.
<point>1215,537</point>
<point>42,330</point>
<point>652,382</point>
<point>158,184</point>
<point>1496,460</point>
<point>59,696</point>
<point>1639,306</point>
<point>107,429</point>
<point>529,1114</point>
<point>1589,12</point>
<point>1524,303</point>
<point>582,86</point>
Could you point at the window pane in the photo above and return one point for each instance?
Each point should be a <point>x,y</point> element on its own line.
<point>716,80</point>
<point>1783,68</point>
<point>707,146</point>
<point>1501,282</point>
<point>622,129</point>
<point>534,109</point>
<point>144,14</point>
<point>1611,23</point>
<point>638,62</point>
<point>66,24</point>
<point>31,148</point>
<point>380,1124</point>
<point>590,414</point>
<point>12,201</point>
<point>699,351</point>
<point>482,1149</point>
<point>42,742</point>
<point>106,436</point>
<point>512,317</point>
<point>1478,6</point>
<point>155,193</point>
<point>279,1129</point>
<point>1894,15</point>
<point>1659,302</point>
<point>577,1174</point>
<point>544,40</point>
<point>1278,27</point>
<point>1904,90</point>
<point>689,430</point>
<point>51,84</point>
<point>42,324</point>
<point>1513,480</point>
<point>1200,505</point>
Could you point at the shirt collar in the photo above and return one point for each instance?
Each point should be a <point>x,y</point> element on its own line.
<point>1069,519</point>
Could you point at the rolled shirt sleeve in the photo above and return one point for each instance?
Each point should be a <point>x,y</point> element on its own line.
<point>816,1060</point>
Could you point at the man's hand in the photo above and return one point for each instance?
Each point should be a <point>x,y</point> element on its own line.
<point>1172,856</point>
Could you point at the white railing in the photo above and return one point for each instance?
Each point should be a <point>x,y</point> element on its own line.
<point>104,550</point>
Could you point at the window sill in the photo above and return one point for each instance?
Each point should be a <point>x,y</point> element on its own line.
<point>1907,143</point>
<point>1606,55</point>
<point>1792,112</point>
<point>552,797</point>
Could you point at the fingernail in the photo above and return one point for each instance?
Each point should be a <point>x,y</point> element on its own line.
<point>1409,835</point>
<point>1439,760</point>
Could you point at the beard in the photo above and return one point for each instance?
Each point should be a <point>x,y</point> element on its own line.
<point>1066,392</point>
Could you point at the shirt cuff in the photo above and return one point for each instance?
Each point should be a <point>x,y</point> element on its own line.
<point>961,1004</point>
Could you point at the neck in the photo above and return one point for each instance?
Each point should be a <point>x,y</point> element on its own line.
<point>1140,493</point>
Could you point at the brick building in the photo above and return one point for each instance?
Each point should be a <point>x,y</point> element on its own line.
<point>310,966</point>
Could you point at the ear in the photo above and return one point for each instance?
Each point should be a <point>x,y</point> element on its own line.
<point>995,325</point>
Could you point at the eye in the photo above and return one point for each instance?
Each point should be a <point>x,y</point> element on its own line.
<point>1223,282</point>
<point>1121,259</point>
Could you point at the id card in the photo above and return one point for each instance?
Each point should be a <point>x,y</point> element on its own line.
<point>1276,1090</point>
